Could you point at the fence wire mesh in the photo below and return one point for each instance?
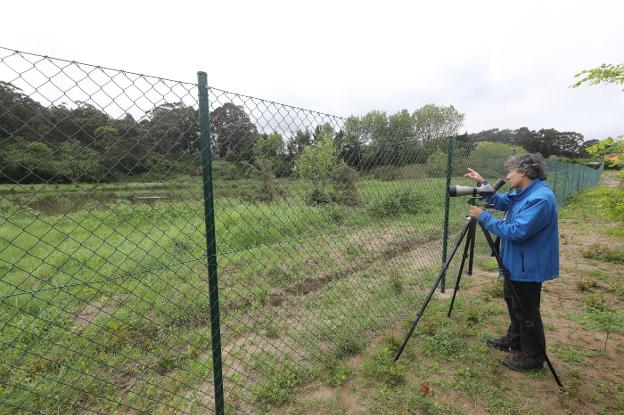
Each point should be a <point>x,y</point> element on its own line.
<point>328,230</point>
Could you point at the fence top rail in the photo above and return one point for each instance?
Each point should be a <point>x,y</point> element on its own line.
<point>12,52</point>
<point>20,52</point>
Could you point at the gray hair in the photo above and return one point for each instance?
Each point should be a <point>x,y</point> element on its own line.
<point>533,165</point>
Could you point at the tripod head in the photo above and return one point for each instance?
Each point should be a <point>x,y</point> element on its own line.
<point>473,201</point>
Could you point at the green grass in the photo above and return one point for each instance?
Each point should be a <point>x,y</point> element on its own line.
<point>604,253</point>
<point>110,298</point>
<point>105,295</point>
<point>449,360</point>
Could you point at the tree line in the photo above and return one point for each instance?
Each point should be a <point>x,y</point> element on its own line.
<point>547,141</point>
<point>59,143</point>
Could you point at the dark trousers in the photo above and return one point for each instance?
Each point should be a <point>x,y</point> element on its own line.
<point>520,331</point>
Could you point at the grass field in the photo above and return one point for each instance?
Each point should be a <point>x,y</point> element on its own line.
<point>105,301</point>
<point>105,298</point>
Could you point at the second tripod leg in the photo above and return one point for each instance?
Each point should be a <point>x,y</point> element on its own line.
<point>468,244</point>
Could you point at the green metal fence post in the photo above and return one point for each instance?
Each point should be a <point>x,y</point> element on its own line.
<point>211,242</point>
<point>449,169</point>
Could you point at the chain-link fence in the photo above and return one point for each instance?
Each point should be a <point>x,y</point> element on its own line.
<point>125,197</point>
<point>567,179</point>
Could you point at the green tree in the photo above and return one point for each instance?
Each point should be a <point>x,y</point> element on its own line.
<point>25,161</point>
<point>269,150</point>
<point>297,143</point>
<point>349,143</point>
<point>400,132</point>
<point>316,163</point>
<point>233,133</point>
<point>79,123</point>
<point>19,114</point>
<point>79,162</point>
<point>332,179</point>
<point>611,150</point>
<point>488,159</point>
<point>172,128</point>
<point>436,164</point>
<point>323,130</point>
<point>433,122</point>
<point>374,133</point>
<point>547,141</point>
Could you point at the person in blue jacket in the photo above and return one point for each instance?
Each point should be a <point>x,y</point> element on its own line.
<point>529,250</point>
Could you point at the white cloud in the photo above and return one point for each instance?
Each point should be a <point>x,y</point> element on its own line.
<point>504,65</point>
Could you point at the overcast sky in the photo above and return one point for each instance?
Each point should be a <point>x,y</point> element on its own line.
<point>504,65</point>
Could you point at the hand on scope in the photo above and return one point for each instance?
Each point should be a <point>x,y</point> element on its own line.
<point>475,211</point>
<point>473,175</point>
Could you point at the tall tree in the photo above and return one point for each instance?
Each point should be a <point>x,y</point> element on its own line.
<point>269,150</point>
<point>349,142</point>
<point>173,128</point>
<point>297,143</point>
<point>400,132</point>
<point>63,123</point>
<point>233,133</point>
<point>433,122</point>
<point>547,141</point>
<point>19,114</point>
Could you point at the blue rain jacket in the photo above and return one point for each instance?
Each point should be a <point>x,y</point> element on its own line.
<point>529,233</point>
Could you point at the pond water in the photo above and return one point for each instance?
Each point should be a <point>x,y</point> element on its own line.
<point>54,204</point>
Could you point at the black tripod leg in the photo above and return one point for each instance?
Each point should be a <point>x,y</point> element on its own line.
<point>443,269</point>
<point>517,299</point>
<point>467,245</point>
<point>472,246</point>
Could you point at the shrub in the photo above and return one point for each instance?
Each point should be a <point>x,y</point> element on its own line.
<point>604,253</point>
<point>385,173</point>
<point>412,171</point>
<point>229,170</point>
<point>436,164</point>
<point>277,381</point>
<point>381,367</point>
<point>333,180</point>
<point>399,202</point>
<point>344,179</point>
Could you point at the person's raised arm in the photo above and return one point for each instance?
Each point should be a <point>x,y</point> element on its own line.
<point>473,175</point>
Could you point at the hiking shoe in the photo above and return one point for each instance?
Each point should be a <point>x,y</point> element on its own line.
<point>503,344</point>
<point>522,362</point>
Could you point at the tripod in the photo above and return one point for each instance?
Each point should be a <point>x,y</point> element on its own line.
<point>469,230</point>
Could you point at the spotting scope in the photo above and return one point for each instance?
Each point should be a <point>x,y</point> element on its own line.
<point>484,189</point>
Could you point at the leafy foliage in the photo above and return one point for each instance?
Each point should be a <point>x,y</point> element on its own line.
<point>269,150</point>
<point>399,202</point>
<point>611,150</point>
<point>604,74</point>
<point>233,133</point>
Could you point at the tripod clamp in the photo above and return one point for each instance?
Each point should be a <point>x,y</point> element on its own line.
<point>474,201</point>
